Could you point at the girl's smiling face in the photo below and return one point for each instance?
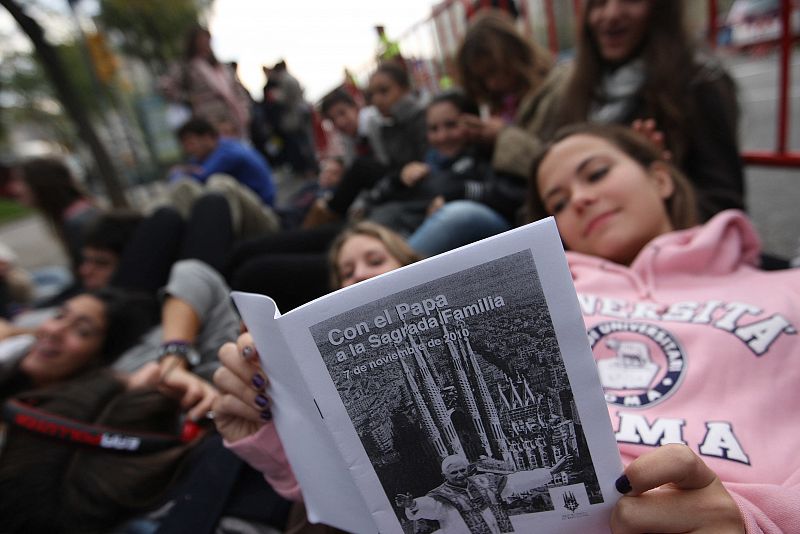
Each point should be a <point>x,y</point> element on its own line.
<point>618,27</point>
<point>447,133</point>
<point>363,257</point>
<point>604,202</point>
<point>67,342</point>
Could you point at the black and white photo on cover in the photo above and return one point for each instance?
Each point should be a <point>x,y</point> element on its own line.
<point>458,392</point>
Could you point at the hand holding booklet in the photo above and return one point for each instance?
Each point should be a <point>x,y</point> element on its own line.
<point>458,394</point>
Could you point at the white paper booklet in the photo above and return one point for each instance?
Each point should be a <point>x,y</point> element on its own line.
<point>477,359</point>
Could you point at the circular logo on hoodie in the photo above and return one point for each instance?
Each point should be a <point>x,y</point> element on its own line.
<point>639,364</point>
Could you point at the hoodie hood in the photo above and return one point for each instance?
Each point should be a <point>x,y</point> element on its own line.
<point>723,245</point>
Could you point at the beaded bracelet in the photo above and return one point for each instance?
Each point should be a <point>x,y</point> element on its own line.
<point>181,349</point>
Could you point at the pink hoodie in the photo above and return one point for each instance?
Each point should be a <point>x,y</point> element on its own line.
<point>694,345</point>
<point>264,452</point>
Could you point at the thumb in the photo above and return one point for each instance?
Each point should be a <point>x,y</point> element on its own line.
<point>174,382</point>
<point>147,375</point>
<point>669,464</point>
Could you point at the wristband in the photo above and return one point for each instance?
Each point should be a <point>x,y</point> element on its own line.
<point>181,349</point>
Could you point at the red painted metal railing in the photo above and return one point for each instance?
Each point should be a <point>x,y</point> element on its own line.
<point>781,156</point>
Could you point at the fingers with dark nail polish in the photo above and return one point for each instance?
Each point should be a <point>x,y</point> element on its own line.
<point>266,414</point>
<point>623,484</point>
<point>258,381</point>
<point>262,401</point>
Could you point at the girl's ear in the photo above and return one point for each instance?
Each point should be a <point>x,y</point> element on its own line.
<point>662,178</point>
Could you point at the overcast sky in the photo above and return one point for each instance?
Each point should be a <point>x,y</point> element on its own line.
<point>318,38</point>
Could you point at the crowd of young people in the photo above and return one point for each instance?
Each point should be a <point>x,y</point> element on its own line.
<point>630,146</point>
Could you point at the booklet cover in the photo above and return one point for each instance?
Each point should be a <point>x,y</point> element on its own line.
<point>458,394</point>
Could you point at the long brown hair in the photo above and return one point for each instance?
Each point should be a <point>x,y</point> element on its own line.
<point>53,187</point>
<point>190,46</point>
<point>493,37</point>
<point>394,72</point>
<point>681,205</point>
<point>668,53</point>
<point>394,243</point>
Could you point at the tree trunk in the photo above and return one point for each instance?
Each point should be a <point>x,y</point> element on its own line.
<point>51,63</point>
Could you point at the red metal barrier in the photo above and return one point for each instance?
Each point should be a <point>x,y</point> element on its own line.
<point>781,156</point>
<point>552,31</point>
<point>783,98</point>
<point>712,22</point>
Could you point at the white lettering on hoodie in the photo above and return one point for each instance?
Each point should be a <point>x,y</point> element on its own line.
<point>729,317</point>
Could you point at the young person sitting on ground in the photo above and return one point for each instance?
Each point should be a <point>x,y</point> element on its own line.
<point>404,136</point>
<point>91,479</point>
<point>242,414</point>
<point>356,143</point>
<point>398,138</point>
<point>104,240</point>
<point>500,69</point>
<point>229,167</point>
<point>47,185</point>
<point>89,332</point>
<point>359,127</point>
<point>503,72</point>
<point>178,261</point>
<point>103,244</point>
<point>454,170</point>
<point>317,192</point>
<point>636,61</point>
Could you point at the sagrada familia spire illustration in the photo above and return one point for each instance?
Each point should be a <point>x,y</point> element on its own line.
<point>527,429</point>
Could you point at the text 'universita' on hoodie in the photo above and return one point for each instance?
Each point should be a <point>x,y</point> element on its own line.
<point>695,345</point>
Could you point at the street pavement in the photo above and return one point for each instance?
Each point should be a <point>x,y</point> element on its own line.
<point>33,242</point>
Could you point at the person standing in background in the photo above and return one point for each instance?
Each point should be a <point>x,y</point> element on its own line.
<point>209,87</point>
<point>294,118</point>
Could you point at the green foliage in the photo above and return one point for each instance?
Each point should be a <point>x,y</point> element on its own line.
<point>152,30</point>
<point>10,210</point>
<point>28,97</point>
<point>77,63</point>
<point>23,81</point>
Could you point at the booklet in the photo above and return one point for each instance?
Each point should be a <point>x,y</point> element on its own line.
<point>457,394</point>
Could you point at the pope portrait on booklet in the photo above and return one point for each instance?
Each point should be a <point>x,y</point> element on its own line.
<point>458,391</point>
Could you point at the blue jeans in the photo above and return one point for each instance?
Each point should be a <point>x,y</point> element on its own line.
<point>457,223</point>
